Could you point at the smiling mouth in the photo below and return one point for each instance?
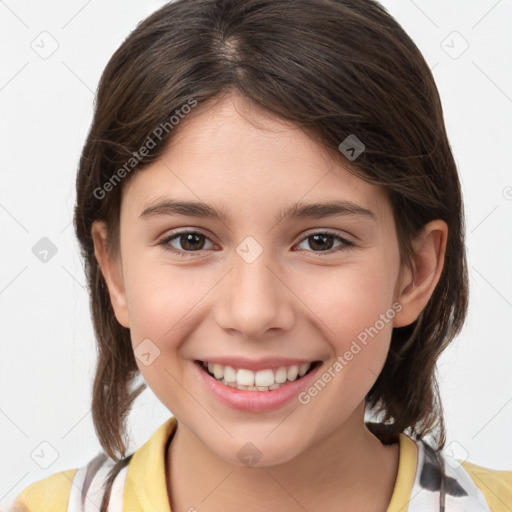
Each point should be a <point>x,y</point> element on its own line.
<point>261,380</point>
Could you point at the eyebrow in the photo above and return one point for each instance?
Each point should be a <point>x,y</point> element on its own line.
<point>339,208</point>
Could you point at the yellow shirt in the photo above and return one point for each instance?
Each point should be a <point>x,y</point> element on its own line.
<point>145,488</point>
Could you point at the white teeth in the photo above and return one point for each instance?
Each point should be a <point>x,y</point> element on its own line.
<point>293,371</point>
<point>262,380</point>
<point>303,368</point>
<point>230,374</point>
<point>280,375</point>
<point>245,377</point>
<point>218,371</point>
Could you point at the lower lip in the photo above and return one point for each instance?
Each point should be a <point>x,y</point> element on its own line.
<point>256,401</point>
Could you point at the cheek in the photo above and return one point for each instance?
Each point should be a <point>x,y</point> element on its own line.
<point>164,302</point>
<point>355,308</point>
<point>352,299</point>
<point>166,306</point>
<point>161,304</point>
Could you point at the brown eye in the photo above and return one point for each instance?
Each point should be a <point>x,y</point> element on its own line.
<point>324,242</point>
<point>191,241</point>
<point>185,242</point>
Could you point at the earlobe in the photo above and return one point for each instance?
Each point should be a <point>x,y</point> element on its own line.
<point>418,283</point>
<point>111,271</point>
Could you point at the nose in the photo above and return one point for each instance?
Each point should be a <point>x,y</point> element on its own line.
<point>254,299</point>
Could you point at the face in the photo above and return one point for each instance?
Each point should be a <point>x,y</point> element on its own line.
<point>245,283</point>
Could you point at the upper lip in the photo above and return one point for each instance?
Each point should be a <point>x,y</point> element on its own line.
<point>256,364</point>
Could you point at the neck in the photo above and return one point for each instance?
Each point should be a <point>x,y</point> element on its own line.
<point>350,466</point>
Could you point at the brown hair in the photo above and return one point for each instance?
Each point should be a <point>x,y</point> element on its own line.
<point>331,67</point>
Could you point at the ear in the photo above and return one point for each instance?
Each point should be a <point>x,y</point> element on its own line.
<point>416,285</point>
<point>112,272</point>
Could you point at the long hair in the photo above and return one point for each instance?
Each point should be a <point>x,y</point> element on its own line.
<point>334,68</point>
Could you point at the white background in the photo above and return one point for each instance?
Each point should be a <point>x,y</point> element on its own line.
<point>47,343</point>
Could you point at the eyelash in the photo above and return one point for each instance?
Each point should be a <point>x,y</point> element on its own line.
<point>346,244</point>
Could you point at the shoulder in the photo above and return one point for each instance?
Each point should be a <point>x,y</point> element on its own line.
<point>74,489</point>
<point>51,494</point>
<point>496,485</point>
<point>460,485</point>
<point>65,490</point>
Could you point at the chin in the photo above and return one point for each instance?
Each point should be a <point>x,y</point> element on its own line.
<point>261,453</point>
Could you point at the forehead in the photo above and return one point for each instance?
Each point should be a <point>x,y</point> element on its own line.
<point>249,163</point>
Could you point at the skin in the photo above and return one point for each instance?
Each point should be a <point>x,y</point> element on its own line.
<point>295,300</point>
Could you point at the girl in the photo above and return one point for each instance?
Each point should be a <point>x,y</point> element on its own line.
<point>272,227</point>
